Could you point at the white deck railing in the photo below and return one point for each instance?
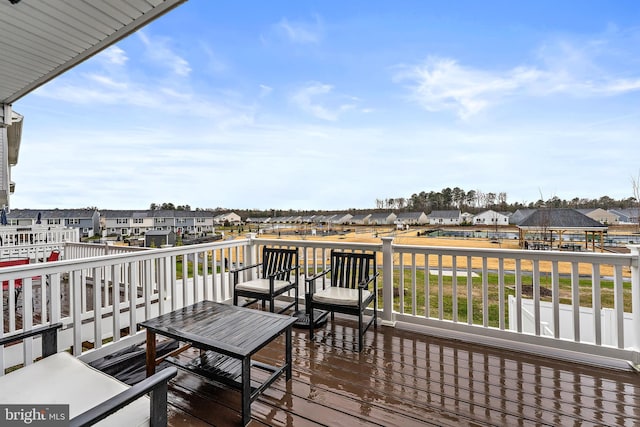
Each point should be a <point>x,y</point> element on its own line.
<point>449,292</point>
<point>34,242</point>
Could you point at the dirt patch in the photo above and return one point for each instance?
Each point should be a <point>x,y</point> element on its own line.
<point>527,290</point>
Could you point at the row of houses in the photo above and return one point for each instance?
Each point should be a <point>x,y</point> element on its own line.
<point>445,217</point>
<point>92,222</point>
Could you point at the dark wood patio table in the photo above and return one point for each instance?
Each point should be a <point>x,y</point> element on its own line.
<point>227,336</point>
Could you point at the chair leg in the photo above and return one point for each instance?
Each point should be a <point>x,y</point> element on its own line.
<point>311,319</point>
<point>360,332</point>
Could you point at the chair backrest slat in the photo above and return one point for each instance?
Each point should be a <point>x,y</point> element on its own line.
<point>349,269</point>
<point>278,259</point>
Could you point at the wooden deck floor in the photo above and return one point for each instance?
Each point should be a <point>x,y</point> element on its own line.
<point>406,379</point>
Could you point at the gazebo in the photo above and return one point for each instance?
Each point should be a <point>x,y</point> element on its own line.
<point>545,223</point>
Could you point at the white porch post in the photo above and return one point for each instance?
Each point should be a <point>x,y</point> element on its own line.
<point>635,302</point>
<point>387,282</point>
<point>251,256</point>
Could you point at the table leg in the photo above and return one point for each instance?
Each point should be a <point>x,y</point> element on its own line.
<point>151,353</point>
<point>288,357</point>
<point>246,390</point>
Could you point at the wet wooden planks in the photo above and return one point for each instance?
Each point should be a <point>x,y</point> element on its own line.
<point>404,379</point>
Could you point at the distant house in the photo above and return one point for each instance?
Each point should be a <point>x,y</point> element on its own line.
<point>87,221</point>
<point>452,217</point>
<point>126,222</point>
<point>341,218</point>
<point>381,218</point>
<point>626,216</point>
<point>230,217</point>
<point>600,215</point>
<point>412,218</point>
<point>360,219</point>
<point>159,238</point>
<point>490,217</point>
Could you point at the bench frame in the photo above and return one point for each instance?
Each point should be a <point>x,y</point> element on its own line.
<point>156,386</point>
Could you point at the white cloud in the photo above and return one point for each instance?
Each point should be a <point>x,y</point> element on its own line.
<point>159,50</point>
<point>300,32</point>
<point>316,99</point>
<point>114,55</point>
<point>443,84</point>
<point>265,90</point>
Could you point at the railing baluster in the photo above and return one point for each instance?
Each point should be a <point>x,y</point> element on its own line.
<point>485,292</point>
<point>575,300</point>
<point>596,303</point>
<point>469,292</point>
<point>535,282</point>
<point>518,279</point>
<point>501,301</point>
<point>454,288</point>
<point>555,298</point>
<point>414,287</point>
<point>618,305</point>
<point>427,295</point>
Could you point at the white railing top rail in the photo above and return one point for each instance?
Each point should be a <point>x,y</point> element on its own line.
<point>523,254</point>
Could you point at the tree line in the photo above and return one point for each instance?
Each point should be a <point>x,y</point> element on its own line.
<point>477,200</point>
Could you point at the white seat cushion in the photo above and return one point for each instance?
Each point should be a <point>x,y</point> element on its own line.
<point>261,285</point>
<point>340,296</point>
<point>63,379</point>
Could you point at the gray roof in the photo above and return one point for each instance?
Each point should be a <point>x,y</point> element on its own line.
<point>445,214</point>
<point>381,215</point>
<point>560,219</point>
<point>409,215</point>
<point>520,215</point>
<point>50,213</point>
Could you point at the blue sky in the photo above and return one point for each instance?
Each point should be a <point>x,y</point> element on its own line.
<point>332,105</point>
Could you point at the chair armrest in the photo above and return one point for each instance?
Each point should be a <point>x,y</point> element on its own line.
<point>365,283</point>
<point>238,270</point>
<point>49,338</point>
<point>246,267</point>
<point>157,384</point>
<point>311,281</point>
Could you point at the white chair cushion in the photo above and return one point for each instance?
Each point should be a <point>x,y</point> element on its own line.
<point>340,296</point>
<point>261,285</point>
<point>63,379</point>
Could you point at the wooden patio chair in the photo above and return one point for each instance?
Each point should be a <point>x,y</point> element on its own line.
<point>348,291</point>
<point>277,274</point>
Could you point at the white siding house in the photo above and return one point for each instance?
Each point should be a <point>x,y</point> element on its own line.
<point>453,217</point>
<point>490,217</point>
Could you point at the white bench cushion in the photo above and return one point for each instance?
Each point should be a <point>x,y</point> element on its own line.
<point>340,296</point>
<point>64,379</point>
<point>261,285</point>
